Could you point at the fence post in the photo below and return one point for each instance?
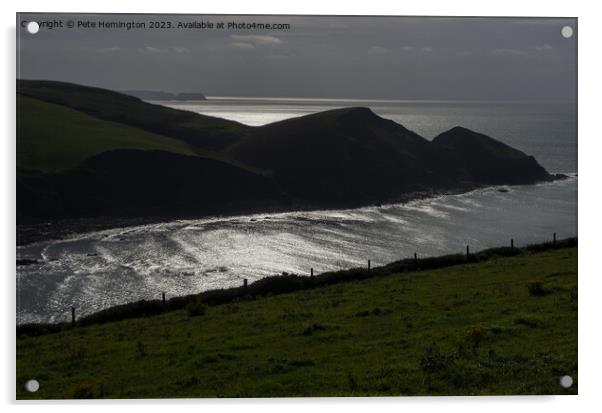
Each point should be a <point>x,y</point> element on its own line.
<point>415,257</point>
<point>554,240</point>
<point>245,283</point>
<point>72,316</point>
<point>163,297</point>
<point>512,243</point>
<point>312,272</point>
<point>467,251</point>
<point>368,265</point>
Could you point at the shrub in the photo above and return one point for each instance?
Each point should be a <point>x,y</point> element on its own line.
<point>279,284</point>
<point>536,288</point>
<point>468,374</point>
<point>308,331</point>
<point>210,359</point>
<point>196,308</point>
<point>141,349</point>
<point>141,308</point>
<point>547,246</point>
<point>498,252</point>
<point>434,360</point>
<point>353,386</point>
<point>528,321</point>
<point>303,363</point>
<point>476,335</point>
<point>84,391</point>
<point>36,329</point>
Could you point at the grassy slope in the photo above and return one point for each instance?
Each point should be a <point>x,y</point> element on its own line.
<point>56,137</point>
<point>357,338</point>
<point>203,132</point>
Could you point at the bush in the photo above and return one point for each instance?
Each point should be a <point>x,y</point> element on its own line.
<point>547,246</point>
<point>142,349</point>
<point>498,252</point>
<point>143,308</point>
<point>528,321</point>
<point>309,330</point>
<point>364,313</point>
<point>278,284</point>
<point>468,374</point>
<point>36,329</point>
<point>433,360</point>
<point>84,391</point>
<point>476,335</point>
<point>536,288</point>
<point>196,308</point>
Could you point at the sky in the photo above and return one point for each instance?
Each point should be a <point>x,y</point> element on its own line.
<point>407,58</point>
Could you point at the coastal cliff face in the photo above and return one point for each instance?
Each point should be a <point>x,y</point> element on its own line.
<point>120,156</point>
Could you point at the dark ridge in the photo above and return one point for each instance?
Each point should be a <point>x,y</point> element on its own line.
<point>344,155</point>
<point>353,114</point>
<point>131,182</point>
<point>51,87</point>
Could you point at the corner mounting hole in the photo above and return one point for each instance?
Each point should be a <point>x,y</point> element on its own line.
<point>567,32</point>
<point>32,386</point>
<point>33,27</point>
<point>566,381</point>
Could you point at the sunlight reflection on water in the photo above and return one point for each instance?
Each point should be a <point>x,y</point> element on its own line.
<point>98,270</point>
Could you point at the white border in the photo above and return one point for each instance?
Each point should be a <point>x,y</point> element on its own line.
<point>590,137</point>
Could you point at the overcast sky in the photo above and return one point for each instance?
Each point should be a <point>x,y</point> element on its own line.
<point>329,57</point>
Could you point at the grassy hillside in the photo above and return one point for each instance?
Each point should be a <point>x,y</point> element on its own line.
<point>53,137</point>
<point>204,132</point>
<point>503,326</point>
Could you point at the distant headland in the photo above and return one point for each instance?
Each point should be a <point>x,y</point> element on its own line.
<point>159,95</point>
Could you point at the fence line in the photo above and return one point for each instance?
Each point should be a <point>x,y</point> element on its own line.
<point>246,284</point>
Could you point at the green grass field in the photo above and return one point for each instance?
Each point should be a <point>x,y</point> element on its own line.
<point>54,137</point>
<point>504,326</point>
<point>202,132</point>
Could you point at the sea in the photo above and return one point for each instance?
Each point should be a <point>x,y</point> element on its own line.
<point>101,269</point>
